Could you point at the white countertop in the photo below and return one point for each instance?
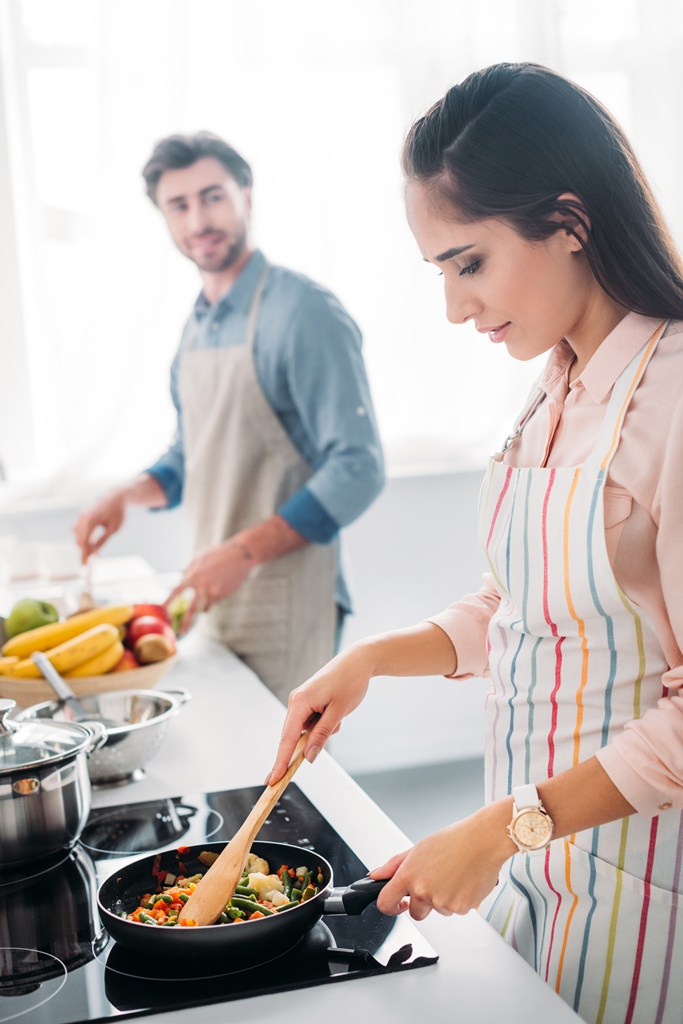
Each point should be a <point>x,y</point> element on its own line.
<point>479,978</point>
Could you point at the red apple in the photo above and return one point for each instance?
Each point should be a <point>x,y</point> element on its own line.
<point>159,611</point>
<point>128,661</point>
<point>148,624</point>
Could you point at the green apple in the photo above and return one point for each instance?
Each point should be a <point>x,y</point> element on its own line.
<point>29,614</point>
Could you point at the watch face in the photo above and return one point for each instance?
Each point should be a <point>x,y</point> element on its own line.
<point>532,829</point>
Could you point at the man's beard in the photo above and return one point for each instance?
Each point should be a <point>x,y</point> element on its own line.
<point>235,249</point>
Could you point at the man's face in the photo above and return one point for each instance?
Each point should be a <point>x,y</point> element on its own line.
<point>207,213</point>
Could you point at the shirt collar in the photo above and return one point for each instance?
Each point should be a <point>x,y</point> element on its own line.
<point>238,297</point>
<point>600,373</point>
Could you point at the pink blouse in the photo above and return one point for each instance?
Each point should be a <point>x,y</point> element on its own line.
<point>643,529</point>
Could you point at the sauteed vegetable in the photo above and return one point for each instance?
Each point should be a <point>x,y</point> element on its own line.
<point>259,894</point>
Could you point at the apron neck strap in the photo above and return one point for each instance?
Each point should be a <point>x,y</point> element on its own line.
<point>256,306</point>
<point>620,399</point>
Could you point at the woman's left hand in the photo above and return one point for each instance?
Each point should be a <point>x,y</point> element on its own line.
<point>450,871</point>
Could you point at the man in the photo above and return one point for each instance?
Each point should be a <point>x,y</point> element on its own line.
<point>276,446</point>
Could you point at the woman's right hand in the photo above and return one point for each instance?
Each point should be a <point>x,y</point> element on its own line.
<point>321,704</point>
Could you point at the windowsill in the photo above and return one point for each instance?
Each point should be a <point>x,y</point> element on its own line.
<point>418,469</point>
<point>25,498</point>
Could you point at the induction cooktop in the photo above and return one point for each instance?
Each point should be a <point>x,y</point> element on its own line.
<point>59,966</point>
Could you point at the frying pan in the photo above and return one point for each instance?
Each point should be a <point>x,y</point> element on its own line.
<point>256,941</point>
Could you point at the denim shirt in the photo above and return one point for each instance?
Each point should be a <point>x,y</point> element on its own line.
<point>307,355</point>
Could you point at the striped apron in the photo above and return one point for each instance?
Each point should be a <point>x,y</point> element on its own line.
<point>572,660</point>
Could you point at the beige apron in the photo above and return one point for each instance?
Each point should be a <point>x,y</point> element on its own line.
<point>240,466</point>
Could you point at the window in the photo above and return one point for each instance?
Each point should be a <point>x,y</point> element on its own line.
<point>317,97</point>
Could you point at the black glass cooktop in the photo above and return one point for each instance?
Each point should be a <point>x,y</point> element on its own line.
<point>58,965</point>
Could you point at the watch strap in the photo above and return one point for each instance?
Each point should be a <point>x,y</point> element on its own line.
<point>526,796</point>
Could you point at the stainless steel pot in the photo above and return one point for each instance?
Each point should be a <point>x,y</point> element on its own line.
<point>44,785</point>
<point>144,717</point>
<point>49,906</point>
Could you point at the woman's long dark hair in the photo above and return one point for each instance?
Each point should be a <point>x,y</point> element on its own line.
<point>509,140</point>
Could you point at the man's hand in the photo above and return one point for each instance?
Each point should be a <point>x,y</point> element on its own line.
<point>218,572</point>
<point>98,523</point>
<point>213,574</point>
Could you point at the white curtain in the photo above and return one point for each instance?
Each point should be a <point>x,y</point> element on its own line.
<point>317,96</point>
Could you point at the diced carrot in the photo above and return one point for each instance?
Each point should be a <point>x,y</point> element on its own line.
<point>189,924</point>
<point>238,920</point>
<point>257,913</point>
<point>183,849</point>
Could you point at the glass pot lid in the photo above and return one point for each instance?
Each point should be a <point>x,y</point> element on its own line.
<point>37,742</point>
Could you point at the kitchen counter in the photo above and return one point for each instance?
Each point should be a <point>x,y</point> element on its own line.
<point>479,978</point>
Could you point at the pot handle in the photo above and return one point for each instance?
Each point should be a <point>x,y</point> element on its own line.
<point>6,707</point>
<point>182,695</point>
<point>98,736</point>
<point>354,898</point>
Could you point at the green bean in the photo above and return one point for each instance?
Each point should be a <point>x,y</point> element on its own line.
<point>287,883</point>
<point>165,897</point>
<point>286,906</point>
<point>249,906</point>
<point>233,913</point>
<point>183,896</point>
<point>223,918</point>
<point>244,890</point>
<point>146,919</point>
<point>306,881</point>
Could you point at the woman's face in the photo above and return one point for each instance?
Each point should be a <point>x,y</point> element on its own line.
<point>528,294</point>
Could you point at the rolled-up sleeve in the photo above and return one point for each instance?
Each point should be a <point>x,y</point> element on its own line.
<point>645,761</point>
<point>466,625</point>
<point>329,390</point>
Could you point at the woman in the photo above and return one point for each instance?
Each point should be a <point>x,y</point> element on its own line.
<point>522,189</point>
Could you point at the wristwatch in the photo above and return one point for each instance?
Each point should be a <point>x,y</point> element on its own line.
<point>531,827</point>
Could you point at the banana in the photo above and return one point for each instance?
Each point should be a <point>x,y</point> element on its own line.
<point>69,655</point>
<point>101,663</point>
<point>47,637</point>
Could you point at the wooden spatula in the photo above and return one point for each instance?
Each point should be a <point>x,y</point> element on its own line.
<point>209,899</point>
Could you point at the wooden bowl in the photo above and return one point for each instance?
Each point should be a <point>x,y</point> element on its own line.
<point>34,691</point>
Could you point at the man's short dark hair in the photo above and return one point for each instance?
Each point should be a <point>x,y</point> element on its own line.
<point>177,151</point>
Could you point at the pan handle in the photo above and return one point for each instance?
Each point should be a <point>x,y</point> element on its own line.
<point>354,898</point>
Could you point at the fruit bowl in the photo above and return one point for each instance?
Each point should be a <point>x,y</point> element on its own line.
<point>34,691</point>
